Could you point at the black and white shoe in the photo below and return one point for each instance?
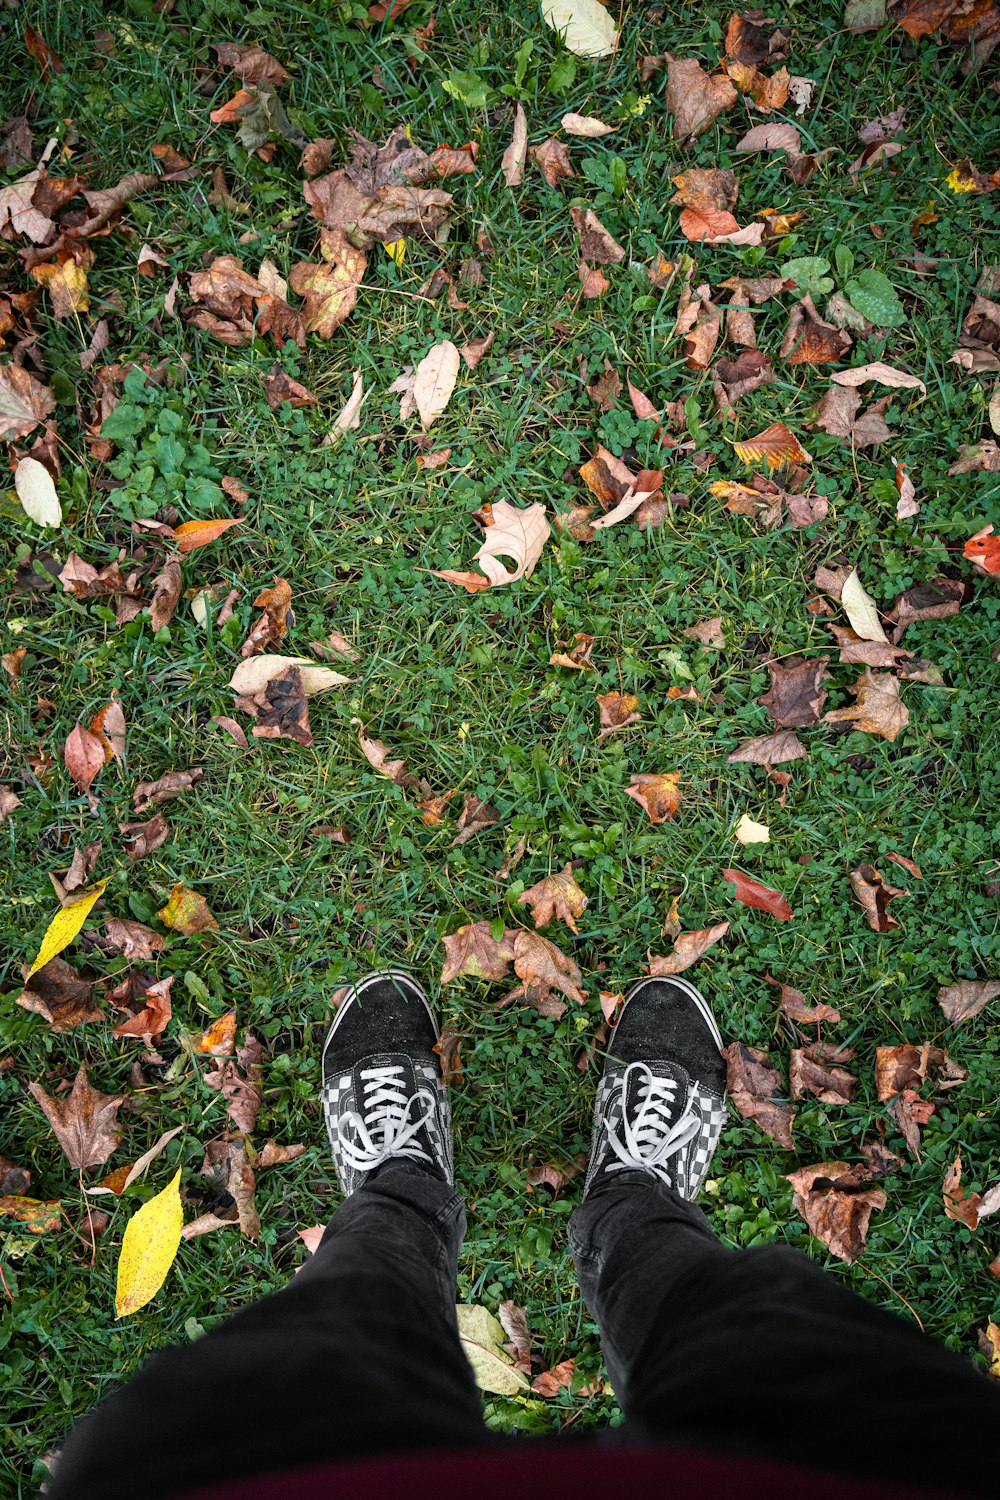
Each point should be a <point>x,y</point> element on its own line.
<point>661,1103</point>
<point>383,1095</point>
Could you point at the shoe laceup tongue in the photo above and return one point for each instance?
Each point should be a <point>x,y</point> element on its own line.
<point>658,1119</point>
<point>392,1112</point>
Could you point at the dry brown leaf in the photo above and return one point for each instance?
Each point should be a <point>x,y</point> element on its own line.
<point>133,940</point>
<point>755,1088</point>
<point>167,587</point>
<point>551,1382</point>
<point>542,967</point>
<point>556,896</point>
<point>241,1083</point>
<point>962,1001</point>
<point>815,1071</point>
<point>596,244</point>
<point>552,160</point>
<point>874,895</point>
<point>658,794</point>
<point>794,1004</point>
<point>810,339</point>
<point>617,710</point>
<point>164,788</point>
<point>474,817</point>
<point>694,97</point>
<point>796,695</point>
<point>837,1207</point>
<point>577,658</point>
<point>688,948</point>
<point>883,374</point>
<point>57,993</point>
<point>742,375</point>
<point>150,1020</point>
<point>84,756</point>
<point>250,64</point>
<point>473,950</point>
<point>771,137</point>
<point>513,160</point>
<point>958,1204</point>
<point>84,1121</point>
<point>140,839</point>
<point>377,756</point>
<point>906,1065</point>
<point>281,708</point>
<point>879,708</point>
<point>515,1326</point>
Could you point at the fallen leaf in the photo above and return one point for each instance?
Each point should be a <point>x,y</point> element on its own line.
<point>755,1088</point>
<point>84,756</point>
<point>241,1083</point>
<point>272,626</point>
<point>65,926</point>
<point>796,695</point>
<point>150,1243</point>
<point>815,1071</point>
<point>39,49</point>
<point>167,587</point>
<point>552,160</point>
<point>836,1206</point>
<point>708,633</point>
<point>749,832</point>
<point>108,724</point>
<point>473,950</point>
<point>793,1004</point>
<point>448,1048</point>
<point>777,446</point>
<point>810,339</point>
<point>962,1001</point>
<point>752,893</point>
<point>280,387</point>
<point>694,97</point>
<point>905,1066</point>
<point>58,994</point>
<point>377,756</point>
<point>133,940</point>
<point>771,137</point>
<point>874,895</point>
<point>513,160</point>
<point>910,1112</point>
<point>555,896</point>
<point>250,64</point>
<point>187,912</point>
<point>434,380</point>
<point>860,609</point>
<point>936,600</point>
<point>958,1204</point>
<point>552,1176</point>
<point>37,493</point>
<point>542,967</point>
<point>140,839</point>
<point>253,675</point>
<point>883,374</point>
<point>481,1336</point>
<point>605,388</point>
<point>596,244</point>
<point>229,1174</point>
<point>38,1217</point>
<point>577,658</point>
<point>743,375</point>
<point>878,710</point>
<point>472,353</point>
<point>8,802</point>
<point>983,549</point>
<point>551,1382</point>
<point>84,1121</point>
<point>219,1039</point>
<point>432,808</point>
<point>658,794</point>
<point>165,788</point>
<point>232,729</point>
<point>588,126</point>
<point>688,948</point>
<point>585,26</point>
<point>474,817</point>
<point>617,710</point>
<point>151,1019</point>
<point>515,1326</point>
<point>192,534</point>
<point>519,534</point>
<point>329,288</point>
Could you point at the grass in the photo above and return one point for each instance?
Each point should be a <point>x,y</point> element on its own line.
<point>459,685</point>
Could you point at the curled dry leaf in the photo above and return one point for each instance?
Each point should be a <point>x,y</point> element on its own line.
<point>515,1326</point>
<point>617,710</point>
<point>596,244</point>
<point>473,950</point>
<point>588,126</point>
<point>542,967</point>
<point>241,1083</point>
<point>133,940</point>
<point>958,1204</point>
<point>552,160</point>
<point>449,1049</point>
<point>140,839</point>
<point>513,160</point>
<point>874,895</point>
<point>879,708</point>
<point>906,1065</point>
<point>84,1121</point>
<point>516,534</point>
<point>658,794</point>
<point>962,1001</point>
<point>836,1205</point>
<point>694,97</point>
<point>794,1004</point>
<point>816,1071</point>
<point>769,749</point>
<point>688,948</point>
<point>253,675</point>
<point>754,1085</point>
<point>910,1112</point>
<point>474,817</point>
<point>150,1020</point>
<point>796,695</point>
<point>165,788</point>
<point>752,893</point>
<point>556,896</point>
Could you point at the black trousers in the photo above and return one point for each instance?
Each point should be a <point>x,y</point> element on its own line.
<point>753,1351</point>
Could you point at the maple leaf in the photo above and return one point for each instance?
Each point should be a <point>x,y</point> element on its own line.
<point>836,1205</point>
<point>688,948</point>
<point>755,1088</point>
<point>85,1121</point>
<point>473,950</point>
<point>658,794</point>
<point>58,993</point>
<point>24,402</point>
<point>796,696</point>
<point>555,896</point>
<point>542,967</point>
<point>878,710</point>
<point>241,1083</point>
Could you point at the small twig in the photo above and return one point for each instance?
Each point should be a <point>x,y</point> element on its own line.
<point>892,1289</point>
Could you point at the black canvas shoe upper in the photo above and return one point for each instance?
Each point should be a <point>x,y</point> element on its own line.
<point>661,1103</point>
<point>383,1096</point>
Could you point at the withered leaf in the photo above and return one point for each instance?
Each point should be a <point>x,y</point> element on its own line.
<point>816,1070</point>
<point>220,1037</point>
<point>551,1382</point>
<point>796,695</point>
<point>187,911</point>
<point>795,1005</point>
<point>542,967</point>
<point>474,817</point>
<point>515,1326</point>
<point>378,757</point>
<point>809,339</point>
<point>241,1083</point>
<point>85,1121</point>
<point>694,97</point>
<point>962,1001</point>
<point>769,749</point>
<point>473,950</point>
<point>171,784</point>
<point>658,794</point>
<point>688,948</point>
<point>154,1012</point>
<point>59,994</point>
<point>140,839</point>
<point>449,1049</point>
<point>250,64</point>
<point>837,1207</point>
<point>879,708</point>
<point>936,600</point>
<point>283,709</point>
<point>552,160</point>
<point>596,244</point>
<point>753,893</point>
<point>230,1174</point>
<point>133,940</point>
<point>84,756</point>
<point>554,896</point>
<point>755,1088</point>
<point>874,895</point>
<point>167,587</point>
<point>910,1112</point>
<point>617,710</point>
<point>958,1204</point>
<point>906,1065</point>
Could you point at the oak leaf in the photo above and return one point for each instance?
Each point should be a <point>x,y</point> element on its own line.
<point>556,896</point>
<point>85,1121</point>
<point>518,534</point>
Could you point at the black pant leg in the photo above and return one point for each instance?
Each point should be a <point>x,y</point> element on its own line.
<point>764,1352</point>
<point>359,1354</point>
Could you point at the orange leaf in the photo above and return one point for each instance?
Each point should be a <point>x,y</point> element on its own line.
<point>752,893</point>
<point>192,534</point>
<point>776,446</point>
<point>984,550</point>
<point>706,223</point>
<point>229,114</point>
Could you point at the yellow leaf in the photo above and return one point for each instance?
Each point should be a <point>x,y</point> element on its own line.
<point>482,1340</point>
<point>152,1237</point>
<point>65,925</point>
<point>186,911</point>
<point>961,182</point>
<point>397,249</point>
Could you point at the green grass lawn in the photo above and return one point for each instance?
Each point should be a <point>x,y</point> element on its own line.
<point>460,685</point>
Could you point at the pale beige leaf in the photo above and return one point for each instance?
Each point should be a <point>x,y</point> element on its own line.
<point>859,607</point>
<point>253,675</point>
<point>37,493</point>
<point>995,408</point>
<point>884,374</point>
<point>513,160</point>
<point>482,1340</point>
<point>350,417</point>
<point>517,534</point>
<point>775,136</point>
<point>585,26</point>
<point>749,832</point>
<point>434,380</point>
<point>627,504</point>
<point>588,126</point>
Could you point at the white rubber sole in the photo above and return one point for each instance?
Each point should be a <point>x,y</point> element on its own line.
<point>688,988</point>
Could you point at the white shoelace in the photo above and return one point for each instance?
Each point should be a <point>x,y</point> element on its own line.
<point>385,1128</point>
<point>651,1136</point>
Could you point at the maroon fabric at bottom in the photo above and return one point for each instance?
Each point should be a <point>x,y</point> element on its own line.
<point>561,1471</point>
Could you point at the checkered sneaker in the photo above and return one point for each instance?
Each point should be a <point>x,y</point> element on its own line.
<point>650,1117</point>
<point>386,1106</point>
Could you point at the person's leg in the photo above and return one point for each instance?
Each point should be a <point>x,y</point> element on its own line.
<point>756,1350</point>
<point>359,1354</point>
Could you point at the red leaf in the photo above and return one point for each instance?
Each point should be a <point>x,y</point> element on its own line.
<point>752,893</point>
